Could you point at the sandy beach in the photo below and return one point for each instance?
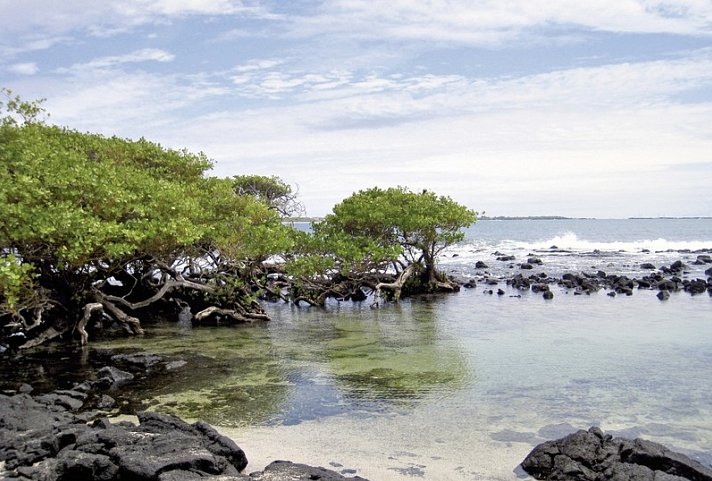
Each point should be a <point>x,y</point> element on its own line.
<point>393,448</point>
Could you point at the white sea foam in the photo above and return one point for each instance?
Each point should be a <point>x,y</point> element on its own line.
<point>569,241</point>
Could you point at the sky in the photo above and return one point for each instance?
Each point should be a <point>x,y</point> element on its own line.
<point>581,108</point>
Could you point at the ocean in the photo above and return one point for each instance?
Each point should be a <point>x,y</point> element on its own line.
<point>461,386</point>
<point>576,245</point>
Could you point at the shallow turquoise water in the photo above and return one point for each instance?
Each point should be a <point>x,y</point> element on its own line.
<point>437,377</point>
<point>529,369</point>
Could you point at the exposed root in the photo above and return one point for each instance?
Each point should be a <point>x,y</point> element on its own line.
<point>395,286</point>
<point>237,314</point>
<point>89,309</point>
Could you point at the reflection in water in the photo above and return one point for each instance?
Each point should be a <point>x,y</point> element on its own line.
<point>632,365</point>
<point>395,356</point>
<point>305,365</point>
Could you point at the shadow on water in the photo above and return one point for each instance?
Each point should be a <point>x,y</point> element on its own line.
<point>306,364</point>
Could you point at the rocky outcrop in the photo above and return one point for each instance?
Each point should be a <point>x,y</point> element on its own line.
<point>43,440</point>
<point>667,279</point>
<point>594,456</point>
<point>64,435</point>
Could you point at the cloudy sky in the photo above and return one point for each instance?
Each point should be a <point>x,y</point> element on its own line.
<point>596,108</point>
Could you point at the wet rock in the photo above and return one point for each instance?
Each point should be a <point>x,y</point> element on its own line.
<point>548,295</point>
<point>535,261</point>
<point>481,265</point>
<point>663,295</point>
<point>173,365</point>
<point>135,362</point>
<point>288,471</point>
<point>113,376</point>
<point>667,285</point>
<point>593,456</point>
<point>62,400</point>
<point>704,259</point>
<point>500,292</point>
<point>647,265</point>
<point>105,402</point>
<point>506,258</point>
<point>526,266</point>
<point>676,267</point>
<point>696,286</point>
<point>25,389</point>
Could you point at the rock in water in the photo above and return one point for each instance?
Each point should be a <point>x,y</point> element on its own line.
<point>288,471</point>
<point>593,456</point>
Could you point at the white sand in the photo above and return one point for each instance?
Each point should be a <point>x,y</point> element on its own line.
<point>391,448</point>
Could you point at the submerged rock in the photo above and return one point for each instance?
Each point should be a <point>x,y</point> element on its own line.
<point>594,456</point>
<point>288,471</point>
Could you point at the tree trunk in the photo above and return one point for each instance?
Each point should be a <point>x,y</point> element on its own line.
<point>395,286</point>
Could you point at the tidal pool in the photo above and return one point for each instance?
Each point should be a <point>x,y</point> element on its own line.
<point>457,387</point>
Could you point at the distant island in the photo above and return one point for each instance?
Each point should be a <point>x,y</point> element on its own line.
<point>300,220</point>
<point>666,217</point>
<point>311,220</point>
<point>526,217</point>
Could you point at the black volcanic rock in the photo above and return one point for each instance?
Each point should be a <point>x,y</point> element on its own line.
<point>594,456</point>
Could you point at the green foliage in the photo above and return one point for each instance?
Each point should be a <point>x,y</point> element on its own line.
<point>374,232</point>
<point>16,286</point>
<point>17,111</point>
<point>77,208</point>
<point>420,224</point>
<point>272,190</point>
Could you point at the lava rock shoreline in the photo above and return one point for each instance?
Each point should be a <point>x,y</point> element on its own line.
<point>594,456</point>
<point>65,435</point>
<point>666,279</point>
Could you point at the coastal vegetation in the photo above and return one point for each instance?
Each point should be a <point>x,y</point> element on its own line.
<point>381,240</point>
<point>102,231</point>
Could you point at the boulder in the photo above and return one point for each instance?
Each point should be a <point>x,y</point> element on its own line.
<point>647,265</point>
<point>113,377</point>
<point>481,265</point>
<point>677,266</point>
<point>135,362</point>
<point>594,456</point>
<point>704,259</point>
<point>288,471</point>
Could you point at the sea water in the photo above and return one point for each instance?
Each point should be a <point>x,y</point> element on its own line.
<point>460,386</point>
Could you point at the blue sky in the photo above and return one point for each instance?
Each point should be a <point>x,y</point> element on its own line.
<point>595,108</point>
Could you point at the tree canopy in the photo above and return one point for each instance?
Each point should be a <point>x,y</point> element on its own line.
<point>381,239</point>
<point>273,191</point>
<point>102,231</point>
<point>90,223</point>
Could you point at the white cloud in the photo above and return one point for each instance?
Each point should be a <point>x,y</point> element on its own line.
<point>138,56</point>
<point>580,132</point>
<point>341,99</point>
<point>494,21</point>
<point>27,25</point>
<point>28,68</point>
